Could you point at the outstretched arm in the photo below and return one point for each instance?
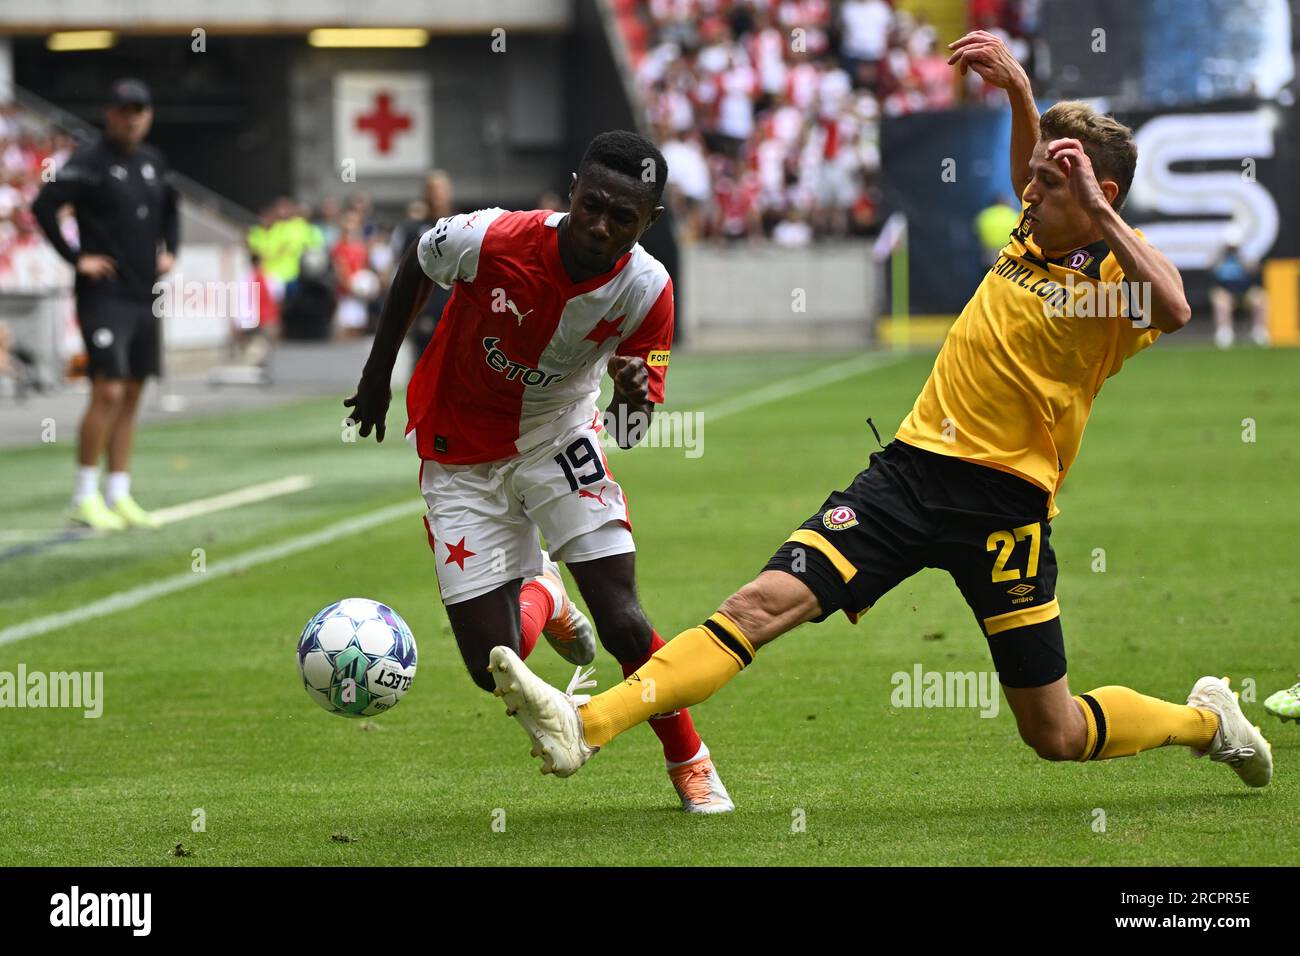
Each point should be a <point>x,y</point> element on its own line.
<point>989,57</point>
<point>409,292</point>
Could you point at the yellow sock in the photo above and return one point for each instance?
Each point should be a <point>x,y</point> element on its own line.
<point>690,668</point>
<point>1121,722</point>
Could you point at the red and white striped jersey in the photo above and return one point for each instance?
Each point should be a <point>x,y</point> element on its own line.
<point>519,352</point>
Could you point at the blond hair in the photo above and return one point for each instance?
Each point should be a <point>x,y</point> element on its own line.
<point>1107,142</point>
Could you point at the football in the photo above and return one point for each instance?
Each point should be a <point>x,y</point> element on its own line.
<point>357,658</point>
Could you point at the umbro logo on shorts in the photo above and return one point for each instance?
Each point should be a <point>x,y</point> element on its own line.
<point>102,338</point>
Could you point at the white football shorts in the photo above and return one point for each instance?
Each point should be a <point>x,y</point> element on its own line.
<point>483,520</point>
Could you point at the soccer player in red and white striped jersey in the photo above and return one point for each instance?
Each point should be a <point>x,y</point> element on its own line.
<point>502,409</point>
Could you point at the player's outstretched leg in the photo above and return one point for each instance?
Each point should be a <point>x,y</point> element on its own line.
<point>1117,721</point>
<point>568,730</point>
<point>1285,704</point>
<point>609,586</point>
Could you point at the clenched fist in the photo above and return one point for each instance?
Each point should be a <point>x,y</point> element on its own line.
<point>631,379</point>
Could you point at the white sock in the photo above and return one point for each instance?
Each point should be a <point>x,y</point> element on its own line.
<point>699,755</point>
<point>556,593</point>
<point>116,487</point>
<point>87,483</point>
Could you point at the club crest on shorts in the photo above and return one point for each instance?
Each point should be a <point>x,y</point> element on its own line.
<point>102,338</point>
<point>837,519</point>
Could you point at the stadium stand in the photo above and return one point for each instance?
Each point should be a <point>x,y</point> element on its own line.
<point>769,113</point>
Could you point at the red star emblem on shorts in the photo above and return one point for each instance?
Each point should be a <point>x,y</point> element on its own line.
<point>605,330</point>
<point>458,553</point>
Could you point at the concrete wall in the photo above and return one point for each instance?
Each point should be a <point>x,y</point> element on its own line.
<point>740,297</point>
<point>498,118</point>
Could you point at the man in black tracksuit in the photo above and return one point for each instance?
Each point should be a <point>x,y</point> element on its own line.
<point>127,219</point>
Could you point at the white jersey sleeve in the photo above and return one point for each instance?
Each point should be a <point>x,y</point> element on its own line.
<point>450,250</point>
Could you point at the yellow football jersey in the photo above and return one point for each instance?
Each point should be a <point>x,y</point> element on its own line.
<point>1014,383</point>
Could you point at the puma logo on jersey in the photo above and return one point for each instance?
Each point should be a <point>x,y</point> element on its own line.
<point>515,309</point>
<point>498,361</point>
<point>439,237</point>
<point>598,496</point>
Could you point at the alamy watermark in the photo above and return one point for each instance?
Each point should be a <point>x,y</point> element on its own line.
<point>237,301</point>
<point>1087,299</point>
<point>77,690</point>
<point>922,688</point>
<point>675,429</point>
<point>130,910</point>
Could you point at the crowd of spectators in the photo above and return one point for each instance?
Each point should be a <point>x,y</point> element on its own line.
<point>323,270</point>
<point>28,150</point>
<point>768,111</point>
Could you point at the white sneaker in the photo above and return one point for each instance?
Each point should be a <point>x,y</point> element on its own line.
<point>699,786</point>
<point>568,631</point>
<point>1223,336</point>
<point>1237,743</point>
<point>1259,335</point>
<point>549,716</point>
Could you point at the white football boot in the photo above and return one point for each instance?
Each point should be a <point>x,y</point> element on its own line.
<point>699,786</point>
<point>1238,743</point>
<point>549,716</point>
<point>568,631</point>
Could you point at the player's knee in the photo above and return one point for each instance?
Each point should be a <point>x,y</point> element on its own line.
<point>623,630</point>
<point>131,392</point>
<point>753,609</point>
<point>110,394</point>
<point>479,674</point>
<point>1052,742</point>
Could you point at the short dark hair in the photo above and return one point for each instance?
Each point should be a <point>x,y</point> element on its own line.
<point>623,151</point>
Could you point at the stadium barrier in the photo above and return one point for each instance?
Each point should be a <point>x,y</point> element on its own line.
<point>1282,286</point>
<point>766,297</point>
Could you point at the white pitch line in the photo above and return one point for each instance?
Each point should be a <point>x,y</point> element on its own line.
<point>233,499</point>
<point>134,597</point>
<point>189,509</point>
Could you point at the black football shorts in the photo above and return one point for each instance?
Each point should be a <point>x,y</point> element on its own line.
<point>914,509</point>
<point>122,335</point>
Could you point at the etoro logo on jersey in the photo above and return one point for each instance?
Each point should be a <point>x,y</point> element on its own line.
<point>498,361</point>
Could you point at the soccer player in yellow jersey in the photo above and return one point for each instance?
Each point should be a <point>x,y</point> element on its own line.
<point>969,483</point>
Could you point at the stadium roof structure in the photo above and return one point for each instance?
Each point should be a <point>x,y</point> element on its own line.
<point>283,16</point>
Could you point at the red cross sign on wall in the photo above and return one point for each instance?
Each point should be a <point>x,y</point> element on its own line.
<point>383,123</point>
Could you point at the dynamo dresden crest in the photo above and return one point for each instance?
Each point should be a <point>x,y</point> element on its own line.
<point>837,519</point>
<point>1079,260</point>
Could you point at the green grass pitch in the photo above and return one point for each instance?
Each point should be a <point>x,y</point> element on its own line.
<point>203,709</point>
